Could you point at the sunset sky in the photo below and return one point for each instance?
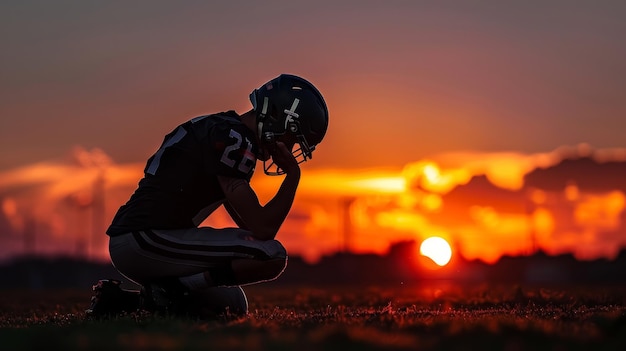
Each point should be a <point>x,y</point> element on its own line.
<point>419,93</point>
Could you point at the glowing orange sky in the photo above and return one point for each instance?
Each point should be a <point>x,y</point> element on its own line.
<point>421,95</point>
<point>56,204</point>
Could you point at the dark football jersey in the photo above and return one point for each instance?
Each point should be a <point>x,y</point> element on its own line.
<point>180,187</point>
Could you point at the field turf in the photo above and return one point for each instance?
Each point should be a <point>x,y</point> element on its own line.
<point>429,316</point>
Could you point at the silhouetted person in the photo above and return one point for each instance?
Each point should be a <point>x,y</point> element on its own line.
<point>206,162</point>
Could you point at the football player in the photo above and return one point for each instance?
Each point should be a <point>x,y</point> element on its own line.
<point>206,162</point>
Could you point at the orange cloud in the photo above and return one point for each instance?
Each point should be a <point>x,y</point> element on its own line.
<point>427,175</point>
<point>362,210</point>
<point>600,211</point>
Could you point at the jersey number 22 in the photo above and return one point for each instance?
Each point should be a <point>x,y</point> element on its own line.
<point>229,157</point>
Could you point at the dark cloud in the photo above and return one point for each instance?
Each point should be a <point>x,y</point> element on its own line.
<point>585,172</point>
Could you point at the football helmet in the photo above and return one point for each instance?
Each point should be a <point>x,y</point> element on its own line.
<point>289,104</point>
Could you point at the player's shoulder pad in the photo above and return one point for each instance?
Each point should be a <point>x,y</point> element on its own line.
<point>221,117</point>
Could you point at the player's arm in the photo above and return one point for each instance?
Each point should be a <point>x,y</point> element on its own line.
<point>235,216</point>
<point>264,221</point>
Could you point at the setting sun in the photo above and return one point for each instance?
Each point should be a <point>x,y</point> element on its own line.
<point>437,249</point>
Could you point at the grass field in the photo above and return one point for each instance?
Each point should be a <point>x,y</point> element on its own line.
<point>434,316</point>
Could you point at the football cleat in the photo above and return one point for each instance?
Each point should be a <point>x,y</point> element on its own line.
<point>109,299</point>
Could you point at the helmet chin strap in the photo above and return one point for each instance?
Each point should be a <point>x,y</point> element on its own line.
<point>262,116</point>
<point>267,137</point>
<point>264,136</point>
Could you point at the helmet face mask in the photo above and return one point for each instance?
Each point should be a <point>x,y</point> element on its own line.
<point>290,108</point>
<point>301,153</point>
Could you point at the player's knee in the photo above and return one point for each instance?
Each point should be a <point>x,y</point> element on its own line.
<point>264,271</point>
<point>274,268</point>
<point>274,249</point>
<point>249,271</point>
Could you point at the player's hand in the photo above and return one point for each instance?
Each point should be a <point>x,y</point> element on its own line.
<point>284,159</point>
